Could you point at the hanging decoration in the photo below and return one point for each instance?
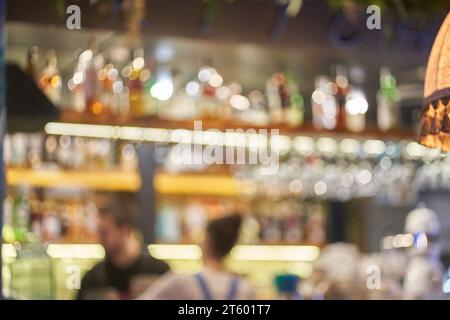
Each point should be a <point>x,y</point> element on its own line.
<point>435,122</point>
<point>135,13</point>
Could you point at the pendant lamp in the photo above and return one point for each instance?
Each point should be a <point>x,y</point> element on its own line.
<point>435,120</point>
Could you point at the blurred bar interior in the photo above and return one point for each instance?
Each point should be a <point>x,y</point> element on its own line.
<point>115,107</point>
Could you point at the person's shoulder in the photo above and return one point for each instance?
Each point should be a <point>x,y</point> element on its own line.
<point>246,288</point>
<point>170,286</point>
<point>96,272</point>
<point>94,278</point>
<point>150,264</point>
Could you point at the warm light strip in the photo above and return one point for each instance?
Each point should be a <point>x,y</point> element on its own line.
<point>212,137</point>
<point>237,138</point>
<point>76,251</point>
<point>275,253</point>
<point>218,185</point>
<point>8,251</point>
<point>175,251</point>
<point>107,181</point>
<point>183,252</point>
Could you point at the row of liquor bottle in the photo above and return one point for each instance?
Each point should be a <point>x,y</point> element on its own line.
<point>269,222</point>
<point>38,150</point>
<point>101,86</point>
<point>51,219</point>
<point>28,217</point>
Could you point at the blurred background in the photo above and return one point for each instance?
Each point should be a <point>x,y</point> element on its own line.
<point>97,111</point>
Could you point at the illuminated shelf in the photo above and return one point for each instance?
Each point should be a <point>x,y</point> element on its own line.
<point>165,184</point>
<point>283,253</point>
<point>307,129</point>
<point>197,184</point>
<point>105,181</point>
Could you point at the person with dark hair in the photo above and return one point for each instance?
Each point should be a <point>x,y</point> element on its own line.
<point>126,260</point>
<point>214,282</point>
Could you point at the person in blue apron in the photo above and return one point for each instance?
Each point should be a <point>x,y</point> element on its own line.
<point>214,282</point>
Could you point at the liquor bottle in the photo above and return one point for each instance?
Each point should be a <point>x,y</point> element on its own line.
<point>50,79</point>
<point>108,75</point>
<point>342,90</point>
<point>295,112</point>
<point>257,112</point>
<point>51,223</point>
<point>135,85</point>
<point>36,217</point>
<point>32,61</point>
<point>324,105</point>
<point>356,107</point>
<point>275,98</point>
<point>387,101</point>
<point>20,217</point>
<point>209,104</point>
<point>91,85</point>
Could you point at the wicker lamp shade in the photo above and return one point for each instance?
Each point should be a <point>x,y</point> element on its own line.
<point>435,122</point>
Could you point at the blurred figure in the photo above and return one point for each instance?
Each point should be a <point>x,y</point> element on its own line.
<point>127,262</point>
<point>214,282</point>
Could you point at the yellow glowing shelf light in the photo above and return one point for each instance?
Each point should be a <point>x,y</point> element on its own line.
<point>255,253</point>
<point>107,181</point>
<point>275,253</point>
<point>218,185</point>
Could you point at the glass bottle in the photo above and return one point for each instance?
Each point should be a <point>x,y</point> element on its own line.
<point>20,217</point>
<point>32,61</point>
<point>50,79</point>
<point>387,101</point>
<point>324,104</point>
<point>342,89</point>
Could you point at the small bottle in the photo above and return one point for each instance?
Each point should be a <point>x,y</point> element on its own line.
<point>20,218</point>
<point>91,87</point>
<point>356,107</point>
<point>324,104</point>
<point>387,102</point>
<point>32,61</point>
<point>274,98</point>
<point>295,112</point>
<point>50,79</point>
<point>135,85</point>
<point>342,90</point>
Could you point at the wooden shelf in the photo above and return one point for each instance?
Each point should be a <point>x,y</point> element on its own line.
<point>98,180</point>
<point>197,184</point>
<point>166,184</point>
<point>307,129</point>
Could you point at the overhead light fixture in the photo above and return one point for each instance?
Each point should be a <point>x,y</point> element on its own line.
<point>435,121</point>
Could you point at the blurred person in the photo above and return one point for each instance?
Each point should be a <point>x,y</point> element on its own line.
<point>126,262</point>
<point>214,282</point>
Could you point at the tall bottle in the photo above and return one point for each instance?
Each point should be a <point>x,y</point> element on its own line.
<point>387,101</point>
<point>324,105</point>
<point>91,86</point>
<point>20,218</point>
<point>135,85</point>
<point>342,89</point>
<point>109,87</point>
<point>32,61</point>
<point>356,107</point>
<point>50,79</point>
<point>275,97</point>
